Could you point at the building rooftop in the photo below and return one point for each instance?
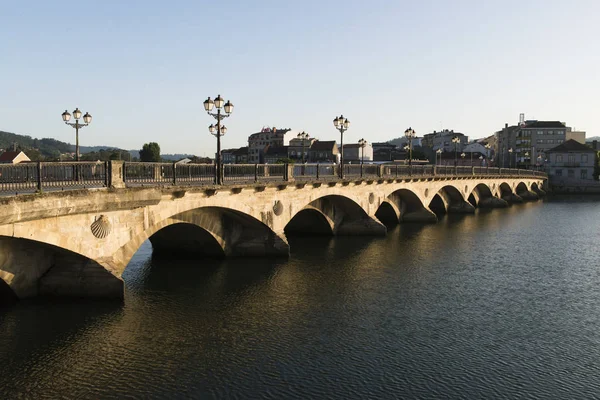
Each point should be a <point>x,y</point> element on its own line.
<point>8,156</point>
<point>571,145</point>
<point>242,151</point>
<point>323,145</point>
<point>544,124</point>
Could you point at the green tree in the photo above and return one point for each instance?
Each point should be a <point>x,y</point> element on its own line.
<point>150,152</point>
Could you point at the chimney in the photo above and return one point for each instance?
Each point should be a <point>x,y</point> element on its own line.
<point>505,125</point>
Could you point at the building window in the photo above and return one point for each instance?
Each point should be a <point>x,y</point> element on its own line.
<point>571,158</point>
<point>550,141</point>
<point>540,141</point>
<point>584,173</point>
<point>559,158</point>
<point>559,172</point>
<point>540,132</point>
<point>550,133</point>
<point>584,158</point>
<point>571,173</point>
<point>559,141</point>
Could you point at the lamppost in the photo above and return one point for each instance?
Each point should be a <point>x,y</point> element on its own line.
<point>525,159</point>
<point>362,143</point>
<point>487,148</point>
<point>510,151</point>
<point>303,136</point>
<point>410,134</point>
<point>455,140</point>
<point>406,147</point>
<point>218,130</point>
<point>480,161</point>
<point>87,119</point>
<point>463,155</point>
<point>539,161</point>
<point>438,152</point>
<point>341,124</point>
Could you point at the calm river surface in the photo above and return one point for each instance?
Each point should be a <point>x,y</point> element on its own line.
<point>501,304</point>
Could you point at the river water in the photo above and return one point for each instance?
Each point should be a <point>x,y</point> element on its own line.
<point>501,304</point>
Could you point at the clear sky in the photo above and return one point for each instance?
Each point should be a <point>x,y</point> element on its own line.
<point>143,68</point>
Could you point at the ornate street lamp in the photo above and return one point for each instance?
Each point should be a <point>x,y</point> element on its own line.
<point>303,136</point>
<point>480,161</point>
<point>410,134</point>
<point>362,143</point>
<point>456,141</point>
<point>218,130</point>
<point>488,147</point>
<point>525,159</point>
<point>341,124</point>
<point>438,152</point>
<point>510,157</point>
<point>463,155</point>
<point>87,119</point>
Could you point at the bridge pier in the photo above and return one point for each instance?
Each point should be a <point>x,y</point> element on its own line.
<point>492,202</point>
<point>33,269</point>
<point>77,277</point>
<point>422,215</point>
<point>512,198</point>
<point>366,226</point>
<point>529,195</point>
<point>540,192</point>
<point>463,207</point>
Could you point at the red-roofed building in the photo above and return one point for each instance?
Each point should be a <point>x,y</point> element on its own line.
<point>13,157</point>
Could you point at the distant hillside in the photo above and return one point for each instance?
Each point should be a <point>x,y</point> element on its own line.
<point>591,139</point>
<point>51,149</point>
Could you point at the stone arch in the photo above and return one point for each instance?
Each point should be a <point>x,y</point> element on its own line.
<point>453,199</point>
<point>507,194</point>
<point>341,214</point>
<point>237,234</point>
<point>504,189</point>
<point>411,207</point>
<point>480,193</point>
<point>482,196</point>
<point>438,205</point>
<point>522,190</point>
<point>310,221</point>
<point>31,268</point>
<point>184,238</point>
<point>388,213</point>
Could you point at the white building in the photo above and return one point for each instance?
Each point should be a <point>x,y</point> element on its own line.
<point>259,141</point>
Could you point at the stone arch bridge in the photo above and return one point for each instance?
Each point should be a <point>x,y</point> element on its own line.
<point>79,242</point>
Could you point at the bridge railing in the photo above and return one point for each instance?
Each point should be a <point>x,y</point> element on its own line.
<point>315,171</point>
<point>37,176</point>
<point>31,177</point>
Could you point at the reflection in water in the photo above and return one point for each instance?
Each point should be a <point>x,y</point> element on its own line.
<point>503,303</point>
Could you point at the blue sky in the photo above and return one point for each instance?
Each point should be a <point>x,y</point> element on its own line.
<point>143,68</point>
